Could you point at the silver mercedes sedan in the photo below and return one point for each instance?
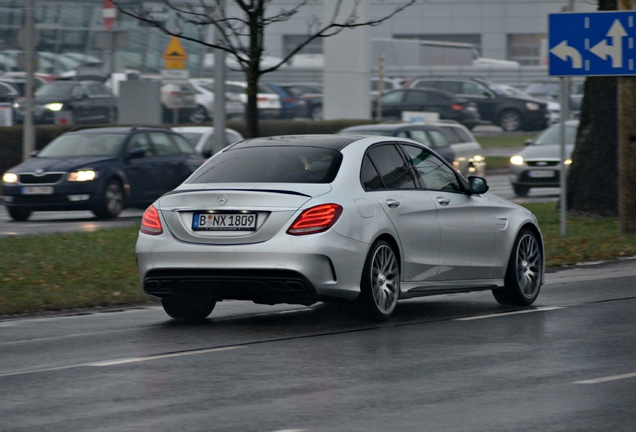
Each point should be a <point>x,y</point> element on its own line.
<point>317,218</point>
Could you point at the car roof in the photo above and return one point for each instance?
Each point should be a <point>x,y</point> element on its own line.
<point>387,126</point>
<point>120,129</point>
<point>335,142</point>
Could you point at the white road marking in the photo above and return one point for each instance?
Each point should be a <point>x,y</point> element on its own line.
<point>542,309</point>
<point>157,357</point>
<point>117,362</point>
<point>608,378</point>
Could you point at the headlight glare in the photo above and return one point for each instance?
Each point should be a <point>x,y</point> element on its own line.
<point>10,177</point>
<point>516,160</point>
<point>54,106</point>
<point>82,175</point>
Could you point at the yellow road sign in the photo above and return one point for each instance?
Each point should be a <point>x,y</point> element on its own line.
<point>175,64</point>
<point>174,51</point>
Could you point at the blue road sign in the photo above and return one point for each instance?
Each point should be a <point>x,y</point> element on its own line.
<point>593,43</point>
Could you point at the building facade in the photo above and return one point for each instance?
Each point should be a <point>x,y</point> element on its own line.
<point>500,29</point>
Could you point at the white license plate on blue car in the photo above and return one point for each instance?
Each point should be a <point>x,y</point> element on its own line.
<point>37,190</point>
<point>224,221</point>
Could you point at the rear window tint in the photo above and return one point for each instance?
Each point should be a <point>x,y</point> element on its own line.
<point>270,164</point>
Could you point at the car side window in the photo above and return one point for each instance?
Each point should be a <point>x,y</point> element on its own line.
<point>184,146</point>
<point>437,97</point>
<point>162,144</point>
<point>433,172</point>
<point>416,97</point>
<point>98,90</point>
<point>392,167</point>
<point>369,176</point>
<point>438,138</point>
<point>463,135</point>
<point>471,88</point>
<point>417,135</point>
<point>393,97</point>
<point>140,141</point>
<point>450,86</point>
<point>451,135</point>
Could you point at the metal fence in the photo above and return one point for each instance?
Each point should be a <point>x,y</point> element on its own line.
<point>515,76</point>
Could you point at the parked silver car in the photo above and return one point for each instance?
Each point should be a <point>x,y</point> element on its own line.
<point>538,165</point>
<point>451,140</point>
<point>313,218</point>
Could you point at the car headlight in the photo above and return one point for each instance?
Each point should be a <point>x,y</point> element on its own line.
<point>531,106</point>
<point>16,105</point>
<point>516,160</point>
<point>54,106</point>
<point>568,162</point>
<point>10,177</point>
<point>82,175</point>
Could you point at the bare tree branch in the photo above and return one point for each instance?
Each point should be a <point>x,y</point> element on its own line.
<point>243,37</point>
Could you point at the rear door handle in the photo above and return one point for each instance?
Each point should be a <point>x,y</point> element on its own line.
<point>443,201</point>
<point>392,203</point>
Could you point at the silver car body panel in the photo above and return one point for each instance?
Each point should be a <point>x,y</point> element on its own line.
<point>439,248</point>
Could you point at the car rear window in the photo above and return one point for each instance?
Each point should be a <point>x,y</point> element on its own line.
<point>270,164</point>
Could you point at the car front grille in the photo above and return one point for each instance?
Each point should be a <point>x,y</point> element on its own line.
<point>41,179</point>
<point>542,164</point>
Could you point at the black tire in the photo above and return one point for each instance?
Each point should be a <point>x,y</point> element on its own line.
<point>19,214</point>
<point>521,191</point>
<point>510,120</point>
<point>199,115</point>
<point>380,283</point>
<point>522,282</point>
<point>112,202</point>
<point>187,309</point>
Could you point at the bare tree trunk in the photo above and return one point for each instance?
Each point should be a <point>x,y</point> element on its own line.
<point>593,177</point>
<point>592,181</point>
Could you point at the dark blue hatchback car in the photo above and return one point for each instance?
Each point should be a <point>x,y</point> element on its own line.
<point>102,170</point>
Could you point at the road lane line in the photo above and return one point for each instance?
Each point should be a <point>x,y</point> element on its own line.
<point>117,362</point>
<point>497,315</point>
<point>606,379</point>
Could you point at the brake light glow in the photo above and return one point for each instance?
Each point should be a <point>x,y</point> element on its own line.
<point>457,107</point>
<point>150,222</point>
<point>316,219</point>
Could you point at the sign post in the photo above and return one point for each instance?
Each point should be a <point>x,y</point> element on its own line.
<point>109,15</point>
<point>598,44</point>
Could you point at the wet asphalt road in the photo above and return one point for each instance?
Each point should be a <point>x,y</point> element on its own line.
<point>446,363</point>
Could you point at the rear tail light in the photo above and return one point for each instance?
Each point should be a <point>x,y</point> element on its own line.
<point>457,107</point>
<point>150,222</point>
<point>316,219</point>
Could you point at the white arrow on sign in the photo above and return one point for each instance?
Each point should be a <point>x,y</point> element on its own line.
<point>615,51</point>
<point>563,51</point>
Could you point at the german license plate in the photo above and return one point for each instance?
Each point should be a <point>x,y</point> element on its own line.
<point>37,190</point>
<point>224,222</point>
<point>540,174</point>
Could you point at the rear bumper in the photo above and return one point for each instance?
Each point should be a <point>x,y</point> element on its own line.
<point>295,271</point>
<point>260,286</point>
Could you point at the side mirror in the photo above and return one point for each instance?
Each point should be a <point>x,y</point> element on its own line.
<point>478,185</point>
<point>529,142</point>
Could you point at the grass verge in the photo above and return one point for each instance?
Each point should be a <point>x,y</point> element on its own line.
<point>80,270</point>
